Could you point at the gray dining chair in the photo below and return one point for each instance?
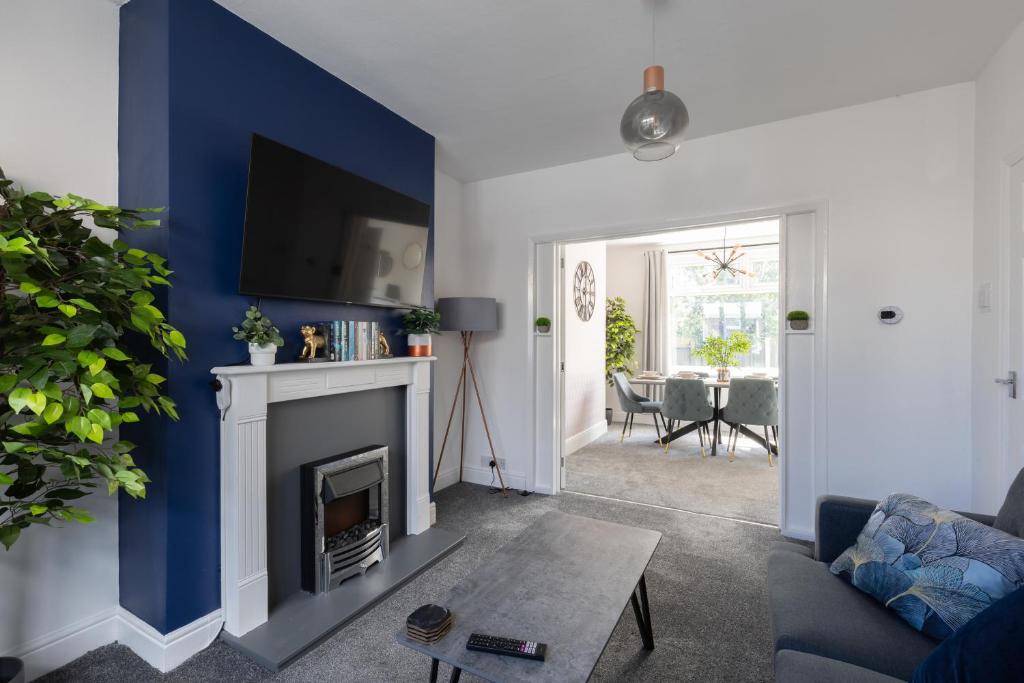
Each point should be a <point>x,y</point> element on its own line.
<point>686,400</point>
<point>633,403</point>
<point>752,402</point>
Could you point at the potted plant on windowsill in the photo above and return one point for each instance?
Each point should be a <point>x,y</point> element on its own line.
<point>722,353</point>
<point>543,325</point>
<point>798,320</point>
<point>263,338</point>
<point>419,324</point>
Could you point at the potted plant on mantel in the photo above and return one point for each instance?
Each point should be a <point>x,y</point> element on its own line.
<point>263,338</point>
<point>419,324</point>
<point>798,320</point>
<point>543,324</point>
<point>68,374</point>
<point>722,353</point>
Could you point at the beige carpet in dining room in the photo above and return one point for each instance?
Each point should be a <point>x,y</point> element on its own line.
<point>638,470</point>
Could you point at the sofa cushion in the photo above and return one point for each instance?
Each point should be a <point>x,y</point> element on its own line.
<point>799,667</point>
<point>934,567</point>
<point>815,612</point>
<point>984,651</point>
<point>1011,515</point>
<point>792,547</point>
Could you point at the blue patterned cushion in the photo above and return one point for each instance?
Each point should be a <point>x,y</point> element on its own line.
<point>936,568</point>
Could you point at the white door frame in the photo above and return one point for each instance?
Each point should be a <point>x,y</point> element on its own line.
<point>546,432</point>
<point>1005,412</point>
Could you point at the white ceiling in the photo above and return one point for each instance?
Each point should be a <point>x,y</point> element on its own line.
<point>515,85</point>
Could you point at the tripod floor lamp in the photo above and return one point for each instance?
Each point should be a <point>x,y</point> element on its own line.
<point>467,316</point>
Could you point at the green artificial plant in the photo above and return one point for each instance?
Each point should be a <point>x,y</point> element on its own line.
<point>722,353</point>
<point>542,322</point>
<point>421,321</point>
<point>257,329</point>
<point>68,376</point>
<point>798,315</point>
<point>619,340</point>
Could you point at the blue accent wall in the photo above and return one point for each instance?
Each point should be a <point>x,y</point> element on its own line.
<point>196,81</point>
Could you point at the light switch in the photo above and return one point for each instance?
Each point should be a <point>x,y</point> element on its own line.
<point>985,297</point>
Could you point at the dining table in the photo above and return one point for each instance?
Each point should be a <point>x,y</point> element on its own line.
<point>655,384</point>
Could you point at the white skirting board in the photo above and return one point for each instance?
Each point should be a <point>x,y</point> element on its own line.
<point>482,475</point>
<point>586,437</point>
<point>163,652</point>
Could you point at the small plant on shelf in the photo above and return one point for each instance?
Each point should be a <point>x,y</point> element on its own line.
<point>543,325</point>
<point>419,324</point>
<point>723,353</point>
<point>798,320</point>
<point>69,374</point>
<point>619,339</point>
<point>261,335</point>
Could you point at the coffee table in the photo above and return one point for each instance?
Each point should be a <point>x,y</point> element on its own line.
<point>564,581</point>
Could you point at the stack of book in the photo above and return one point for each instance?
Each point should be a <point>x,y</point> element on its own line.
<point>428,623</point>
<point>351,339</point>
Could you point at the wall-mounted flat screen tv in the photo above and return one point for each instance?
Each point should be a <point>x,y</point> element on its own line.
<point>315,231</point>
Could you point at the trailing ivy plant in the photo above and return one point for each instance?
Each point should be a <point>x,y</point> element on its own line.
<point>68,378</point>
<point>619,340</point>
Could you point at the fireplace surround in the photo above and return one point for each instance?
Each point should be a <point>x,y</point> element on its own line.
<point>344,516</point>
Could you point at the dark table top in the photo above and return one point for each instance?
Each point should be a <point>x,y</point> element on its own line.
<point>564,581</point>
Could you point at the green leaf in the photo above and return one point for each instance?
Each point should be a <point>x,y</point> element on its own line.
<point>47,301</point>
<point>102,390</point>
<point>153,378</point>
<point>38,509</point>
<point>5,480</point>
<point>52,391</point>
<point>87,358</point>
<point>54,340</point>
<point>142,297</point>
<point>97,367</point>
<point>36,402</point>
<point>53,412</point>
<point>100,417</point>
<point>7,382</point>
<point>82,303</point>
<point>67,494</point>
<point>96,433</point>
<point>79,426</point>
<point>18,398</point>
<point>127,417</point>
<point>9,534</point>
<point>176,338</point>
<point>68,310</point>
<point>86,392</point>
<point>81,335</point>
<point>29,287</point>
<point>115,353</point>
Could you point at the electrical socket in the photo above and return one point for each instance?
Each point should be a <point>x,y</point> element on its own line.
<point>486,462</point>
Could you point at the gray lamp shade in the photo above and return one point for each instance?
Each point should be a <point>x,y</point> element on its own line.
<point>468,314</point>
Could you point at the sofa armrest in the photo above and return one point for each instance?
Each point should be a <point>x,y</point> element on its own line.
<point>837,523</point>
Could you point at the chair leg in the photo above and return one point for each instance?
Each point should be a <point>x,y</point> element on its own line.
<point>668,433</point>
<point>730,443</point>
<point>624,424</point>
<point>700,433</point>
<point>768,446</point>
<point>656,427</point>
<point>632,416</point>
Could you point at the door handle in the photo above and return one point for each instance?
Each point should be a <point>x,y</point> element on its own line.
<point>1011,381</point>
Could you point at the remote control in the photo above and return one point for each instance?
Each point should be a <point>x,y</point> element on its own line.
<point>511,647</point>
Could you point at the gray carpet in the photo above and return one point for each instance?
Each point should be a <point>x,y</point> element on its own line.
<point>706,585</point>
<point>638,470</point>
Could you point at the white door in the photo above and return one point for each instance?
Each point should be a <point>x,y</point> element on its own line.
<point>1014,404</point>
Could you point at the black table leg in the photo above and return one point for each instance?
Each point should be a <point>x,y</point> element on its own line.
<point>757,438</point>
<point>716,432</point>
<point>433,670</point>
<point>682,431</point>
<point>642,611</point>
<point>456,674</point>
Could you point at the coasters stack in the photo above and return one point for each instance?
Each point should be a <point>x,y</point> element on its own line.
<point>428,623</point>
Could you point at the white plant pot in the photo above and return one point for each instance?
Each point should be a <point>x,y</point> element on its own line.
<point>419,345</point>
<point>262,355</point>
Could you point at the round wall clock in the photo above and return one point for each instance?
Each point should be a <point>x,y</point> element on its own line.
<point>584,290</point>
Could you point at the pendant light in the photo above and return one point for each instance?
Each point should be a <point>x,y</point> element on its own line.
<point>726,262</point>
<point>653,124</point>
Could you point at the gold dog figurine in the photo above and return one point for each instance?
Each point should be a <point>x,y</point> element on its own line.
<point>312,344</point>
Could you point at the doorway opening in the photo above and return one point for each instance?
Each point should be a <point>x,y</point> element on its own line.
<point>636,313</point>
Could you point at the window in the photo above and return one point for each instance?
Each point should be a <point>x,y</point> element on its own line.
<point>701,306</point>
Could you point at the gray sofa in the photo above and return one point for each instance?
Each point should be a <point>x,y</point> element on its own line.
<point>823,628</point>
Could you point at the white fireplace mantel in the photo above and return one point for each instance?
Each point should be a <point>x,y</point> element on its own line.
<point>243,398</point>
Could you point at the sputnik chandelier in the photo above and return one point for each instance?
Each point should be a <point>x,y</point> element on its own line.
<point>724,263</point>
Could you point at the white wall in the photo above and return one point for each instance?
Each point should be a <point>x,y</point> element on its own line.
<point>58,132</point>
<point>626,279</point>
<point>584,351</point>
<point>449,257</point>
<point>897,176</point>
<point>999,132</point>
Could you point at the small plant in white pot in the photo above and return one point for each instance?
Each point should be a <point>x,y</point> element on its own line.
<point>262,336</point>
<point>419,324</point>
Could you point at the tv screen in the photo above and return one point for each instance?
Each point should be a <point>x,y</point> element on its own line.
<point>314,231</point>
